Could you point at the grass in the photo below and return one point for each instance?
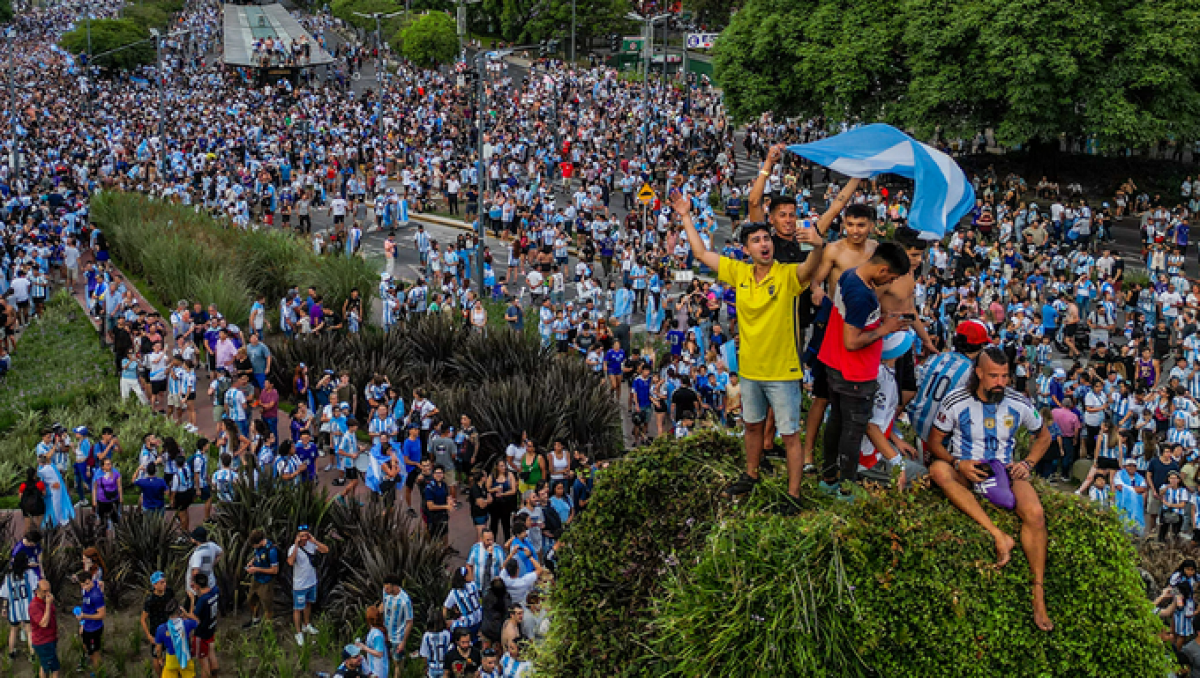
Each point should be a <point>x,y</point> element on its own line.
<point>58,360</point>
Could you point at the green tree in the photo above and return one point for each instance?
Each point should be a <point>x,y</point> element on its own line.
<point>1121,71</point>
<point>111,34</point>
<point>146,15</point>
<point>430,40</point>
<point>6,11</point>
<point>531,21</point>
<point>349,10</point>
<point>711,14</point>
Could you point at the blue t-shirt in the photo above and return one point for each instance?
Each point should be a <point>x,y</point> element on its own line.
<point>1049,316</point>
<point>93,602</point>
<point>641,387</point>
<point>154,492</point>
<point>614,359</point>
<point>675,339</point>
<point>265,557</point>
<point>163,637</point>
<point>411,450</point>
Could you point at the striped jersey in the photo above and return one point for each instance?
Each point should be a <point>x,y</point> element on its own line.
<point>199,464</point>
<point>1107,450</point>
<point>397,613</point>
<point>513,667</point>
<point>1181,436</point>
<point>466,600</point>
<point>478,560</point>
<point>979,431</point>
<point>942,374</point>
<point>223,481</point>
<point>434,647</point>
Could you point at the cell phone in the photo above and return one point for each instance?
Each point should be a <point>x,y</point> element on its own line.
<point>909,316</point>
<point>986,470</point>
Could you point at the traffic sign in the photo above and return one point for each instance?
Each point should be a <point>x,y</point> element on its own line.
<point>633,45</point>
<point>646,195</point>
<point>701,40</point>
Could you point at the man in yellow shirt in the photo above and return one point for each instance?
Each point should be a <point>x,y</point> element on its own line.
<point>769,356</point>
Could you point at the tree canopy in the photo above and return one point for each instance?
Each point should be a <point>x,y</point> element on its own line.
<point>530,21</point>
<point>110,34</point>
<point>430,40</point>
<point>1126,72</point>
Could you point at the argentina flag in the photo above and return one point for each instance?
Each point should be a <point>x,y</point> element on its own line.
<point>943,194</point>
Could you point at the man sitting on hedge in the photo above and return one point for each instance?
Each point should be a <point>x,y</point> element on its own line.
<point>981,421</point>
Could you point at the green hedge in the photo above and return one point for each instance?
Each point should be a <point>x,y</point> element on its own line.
<point>896,584</point>
<point>58,361</point>
<point>184,254</point>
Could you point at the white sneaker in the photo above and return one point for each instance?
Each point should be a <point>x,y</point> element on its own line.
<point>329,467</point>
<point>299,638</point>
<point>308,628</point>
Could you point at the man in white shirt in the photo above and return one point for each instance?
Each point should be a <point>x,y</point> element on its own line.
<point>338,207</point>
<point>304,580</point>
<point>204,558</point>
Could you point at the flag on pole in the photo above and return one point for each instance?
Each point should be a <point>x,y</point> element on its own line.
<point>943,194</point>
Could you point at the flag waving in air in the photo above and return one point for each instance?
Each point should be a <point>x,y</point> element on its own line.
<point>943,194</point>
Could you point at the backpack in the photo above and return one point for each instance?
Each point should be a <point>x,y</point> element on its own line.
<point>33,502</point>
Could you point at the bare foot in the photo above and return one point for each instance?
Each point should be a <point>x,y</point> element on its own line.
<point>1040,617</point>
<point>1004,547</point>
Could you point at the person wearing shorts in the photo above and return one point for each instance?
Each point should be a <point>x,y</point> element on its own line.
<point>304,580</point>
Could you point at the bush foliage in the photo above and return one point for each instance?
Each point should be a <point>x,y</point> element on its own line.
<point>506,382</point>
<point>896,584</point>
<point>184,254</point>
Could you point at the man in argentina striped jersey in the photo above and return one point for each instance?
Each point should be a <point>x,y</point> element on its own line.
<point>945,372</point>
<point>981,422</point>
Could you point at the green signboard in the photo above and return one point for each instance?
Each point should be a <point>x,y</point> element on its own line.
<point>633,45</point>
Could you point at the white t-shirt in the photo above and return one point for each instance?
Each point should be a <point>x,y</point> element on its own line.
<point>519,587</point>
<point>883,414</point>
<point>1093,400</point>
<point>204,558</point>
<point>304,575</point>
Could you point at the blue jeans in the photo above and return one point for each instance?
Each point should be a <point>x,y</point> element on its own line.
<point>272,424</point>
<point>244,427</point>
<point>83,481</point>
<point>1067,459</point>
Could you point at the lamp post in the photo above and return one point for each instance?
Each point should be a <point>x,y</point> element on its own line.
<point>647,51</point>
<point>572,32</point>
<point>380,76</point>
<point>12,101</point>
<point>162,96</point>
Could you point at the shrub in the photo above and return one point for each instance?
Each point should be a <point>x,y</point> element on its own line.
<point>895,584</point>
<point>58,361</point>
<point>184,254</point>
<point>507,383</point>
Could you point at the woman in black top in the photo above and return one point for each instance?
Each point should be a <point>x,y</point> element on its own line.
<point>480,500</point>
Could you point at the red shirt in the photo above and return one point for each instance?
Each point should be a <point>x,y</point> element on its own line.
<point>49,633</point>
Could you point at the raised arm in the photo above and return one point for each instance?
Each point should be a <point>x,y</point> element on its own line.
<point>754,201</point>
<point>682,205</point>
<point>835,207</point>
<point>827,258</point>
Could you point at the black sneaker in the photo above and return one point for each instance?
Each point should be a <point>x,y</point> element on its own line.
<point>745,484</point>
<point>765,465</point>
<point>790,506</point>
<point>810,469</point>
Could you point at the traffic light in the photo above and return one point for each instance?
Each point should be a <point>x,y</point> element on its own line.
<point>614,42</point>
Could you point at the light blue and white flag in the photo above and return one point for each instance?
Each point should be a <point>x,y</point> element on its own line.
<point>943,194</point>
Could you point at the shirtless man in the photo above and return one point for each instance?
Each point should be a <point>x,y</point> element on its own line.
<point>1071,327</point>
<point>898,298</point>
<point>851,251</point>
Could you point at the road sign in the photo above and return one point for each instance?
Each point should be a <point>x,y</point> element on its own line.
<point>633,45</point>
<point>701,40</point>
<point>646,194</point>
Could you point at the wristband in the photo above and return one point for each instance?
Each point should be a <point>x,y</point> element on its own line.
<point>763,173</point>
<point>956,463</point>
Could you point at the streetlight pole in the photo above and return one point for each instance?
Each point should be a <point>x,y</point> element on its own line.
<point>12,98</point>
<point>572,32</point>
<point>162,109</point>
<point>481,93</point>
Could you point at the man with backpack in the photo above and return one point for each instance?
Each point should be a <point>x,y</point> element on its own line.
<point>85,462</point>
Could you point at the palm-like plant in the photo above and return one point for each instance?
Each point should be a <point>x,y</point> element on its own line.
<point>377,542</point>
<point>145,542</point>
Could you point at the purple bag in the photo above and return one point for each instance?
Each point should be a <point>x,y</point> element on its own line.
<point>998,488</point>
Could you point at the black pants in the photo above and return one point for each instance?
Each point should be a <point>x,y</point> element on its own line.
<point>850,404</point>
<point>305,223</point>
<point>452,201</point>
<point>502,514</point>
<point>439,525</point>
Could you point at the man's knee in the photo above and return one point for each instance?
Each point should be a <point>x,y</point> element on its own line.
<point>1030,511</point>
<point>942,473</point>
